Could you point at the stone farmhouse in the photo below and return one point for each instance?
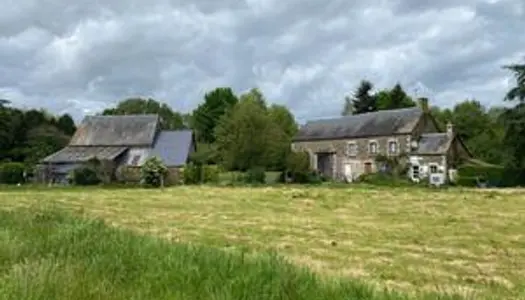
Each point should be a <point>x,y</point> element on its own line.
<point>125,142</point>
<point>347,147</point>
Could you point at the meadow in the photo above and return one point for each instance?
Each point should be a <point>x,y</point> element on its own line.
<point>414,241</point>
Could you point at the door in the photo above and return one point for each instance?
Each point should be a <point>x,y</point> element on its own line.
<point>368,168</point>
<point>348,172</point>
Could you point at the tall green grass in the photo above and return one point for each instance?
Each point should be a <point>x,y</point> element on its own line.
<point>54,255</point>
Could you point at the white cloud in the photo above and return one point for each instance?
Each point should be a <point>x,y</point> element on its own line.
<point>82,57</point>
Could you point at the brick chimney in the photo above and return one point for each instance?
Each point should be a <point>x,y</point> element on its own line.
<point>450,129</point>
<point>423,104</point>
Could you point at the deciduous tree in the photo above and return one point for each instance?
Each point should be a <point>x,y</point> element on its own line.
<point>207,115</point>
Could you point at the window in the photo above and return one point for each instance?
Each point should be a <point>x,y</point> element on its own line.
<point>351,149</point>
<point>415,172</point>
<point>433,169</point>
<point>372,147</point>
<point>135,160</point>
<point>392,147</point>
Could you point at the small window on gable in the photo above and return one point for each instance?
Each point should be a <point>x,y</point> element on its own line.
<point>392,147</point>
<point>135,160</point>
<point>351,149</point>
<point>433,169</point>
<point>372,147</point>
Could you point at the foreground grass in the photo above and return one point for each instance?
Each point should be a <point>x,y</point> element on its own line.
<point>411,240</point>
<point>50,255</point>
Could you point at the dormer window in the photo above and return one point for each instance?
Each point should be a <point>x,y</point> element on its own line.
<point>392,147</point>
<point>372,147</point>
<point>351,149</point>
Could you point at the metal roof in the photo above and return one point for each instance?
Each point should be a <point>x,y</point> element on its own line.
<point>173,147</point>
<point>122,130</point>
<point>83,154</point>
<point>385,122</point>
<point>433,143</point>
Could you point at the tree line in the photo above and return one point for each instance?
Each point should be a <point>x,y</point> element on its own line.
<point>244,131</point>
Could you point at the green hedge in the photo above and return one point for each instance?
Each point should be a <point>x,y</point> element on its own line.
<point>197,173</point>
<point>12,173</point>
<point>493,176</point>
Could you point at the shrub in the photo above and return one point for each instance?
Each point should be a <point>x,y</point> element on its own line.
<point>153,172</point>
<point>105,169</point>
<point>255,175</point>
<point>395,166</point>
<point>84,175</point>
<point>12,173</point>
<point>384,179</point>
<point>211,173</point>
<point>470,175</point>
<point>298,170</point>
<point>191,174</point>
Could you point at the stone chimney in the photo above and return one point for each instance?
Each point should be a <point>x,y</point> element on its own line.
<point>450,129</point>
<point>423,104</point>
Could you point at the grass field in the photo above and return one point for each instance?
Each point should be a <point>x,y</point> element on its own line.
<point>411,240</point>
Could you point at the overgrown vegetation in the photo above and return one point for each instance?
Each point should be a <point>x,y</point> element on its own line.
<point>12,173</point>
<point>492,176</point>
<point>84,175</point>
<point>195,173</point>
<point>153,172</point>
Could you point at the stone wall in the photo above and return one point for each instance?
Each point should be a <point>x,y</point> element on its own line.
<point>357,160</point>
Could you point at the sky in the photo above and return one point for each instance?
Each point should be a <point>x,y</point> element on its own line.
<point>82,56</point>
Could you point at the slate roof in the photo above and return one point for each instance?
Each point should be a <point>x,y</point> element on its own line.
<point>433,143</point>
<point>83,154</point>
<point>380,123</point>
<point>173,147</point>
<point>127,130</point>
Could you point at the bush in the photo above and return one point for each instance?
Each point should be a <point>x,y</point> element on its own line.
<point>469,175</point>
<point>197,173</point>
<point>298,170</point>
<point>211,173</point>
<point>255,175</point>
<point>84,176</point>
<point>153,172</point>
<point>12,173</point>
<point>301,177</point>
<point>384,179</point>
<point>191,174</point>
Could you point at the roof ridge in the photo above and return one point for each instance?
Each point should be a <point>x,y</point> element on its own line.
<point>123,116</point>
<point>371,113</point>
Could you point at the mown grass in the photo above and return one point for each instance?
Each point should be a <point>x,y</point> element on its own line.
<point>51,255</point>
<point>412,240</point>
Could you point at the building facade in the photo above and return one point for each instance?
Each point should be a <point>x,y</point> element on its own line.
<point>123,142</point>
<point>347,147</point>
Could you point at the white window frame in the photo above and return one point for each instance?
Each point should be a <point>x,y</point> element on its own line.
<point>396,148</point>
<point>430,166</point>
<point>370,143</point>
<point>348,149</point>
<point>418,172</point>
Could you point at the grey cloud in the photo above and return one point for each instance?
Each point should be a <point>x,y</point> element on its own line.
<point>84,55</point>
